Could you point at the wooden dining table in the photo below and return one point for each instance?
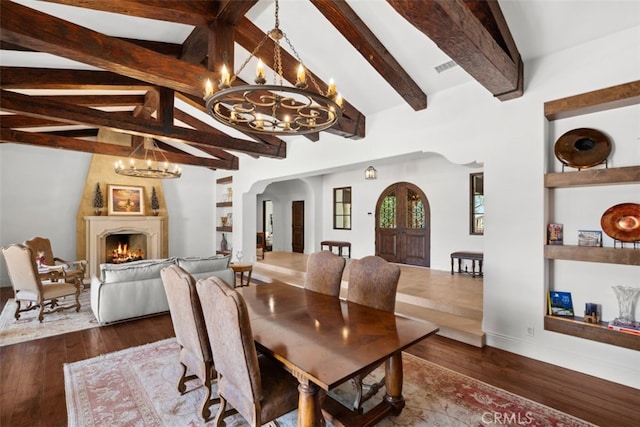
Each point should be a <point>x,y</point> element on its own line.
<point>325,341</point>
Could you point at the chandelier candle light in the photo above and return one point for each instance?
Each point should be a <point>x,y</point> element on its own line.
<point>153,169</point>
<point>273,109</point>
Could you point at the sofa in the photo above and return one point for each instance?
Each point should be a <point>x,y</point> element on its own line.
<point>135,289</point>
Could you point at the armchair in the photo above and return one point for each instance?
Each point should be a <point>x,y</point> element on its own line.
<point>73,271</point>
<point>30,288</point>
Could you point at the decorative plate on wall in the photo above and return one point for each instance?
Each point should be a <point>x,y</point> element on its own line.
<point>622,222</point>
<point>583,148</point>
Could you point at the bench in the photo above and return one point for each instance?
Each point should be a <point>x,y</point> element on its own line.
<point>472,256</point>
<point>336,244</point>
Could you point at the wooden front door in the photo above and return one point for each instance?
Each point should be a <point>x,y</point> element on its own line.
<point>403,225</point>
<point>297,226</point>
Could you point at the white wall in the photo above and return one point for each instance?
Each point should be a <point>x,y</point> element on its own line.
<point>464,125</point>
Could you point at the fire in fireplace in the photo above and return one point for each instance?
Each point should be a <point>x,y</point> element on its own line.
<point>123,248</point>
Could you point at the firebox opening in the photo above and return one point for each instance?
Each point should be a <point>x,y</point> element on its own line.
<point>121,248</point>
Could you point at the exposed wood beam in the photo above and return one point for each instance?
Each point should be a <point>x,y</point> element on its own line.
<point>37,107</point>
<point>36,30</point>
<point>51,78</point>
<point>53,141</point>
<point>20,121</point>
<point>345,20</point>
<point>99,100</point>
<point>454,27</point>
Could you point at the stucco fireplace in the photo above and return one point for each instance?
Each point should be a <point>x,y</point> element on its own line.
<point>99,228</point>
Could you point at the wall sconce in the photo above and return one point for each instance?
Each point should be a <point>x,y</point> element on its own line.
<point>370,173</point>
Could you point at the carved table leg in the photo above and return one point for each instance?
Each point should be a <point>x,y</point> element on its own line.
<point>309,408</point>
<point>393,383</point>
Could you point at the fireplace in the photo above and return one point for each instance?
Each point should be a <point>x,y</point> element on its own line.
<point>143,236</point>
<point>122,248</point>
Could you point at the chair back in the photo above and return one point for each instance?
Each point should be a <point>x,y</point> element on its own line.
<point>40,244</point>
<point>232,345</point>
<point>324,273</point>
<point>373,282</point>
<point>186,315</point>
<point>22,269</point>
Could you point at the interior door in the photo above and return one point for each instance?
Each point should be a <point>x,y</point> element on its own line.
<point>403,225</point>
<point>297,226</point>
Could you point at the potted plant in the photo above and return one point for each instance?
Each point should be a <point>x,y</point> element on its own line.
<point>155,203</point>
<point>98,202</point>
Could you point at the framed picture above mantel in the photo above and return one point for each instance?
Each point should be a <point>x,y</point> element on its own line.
<point>126,200</point>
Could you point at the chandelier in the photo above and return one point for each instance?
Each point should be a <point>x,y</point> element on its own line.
<point>153,168</point>
<point>273,109</point>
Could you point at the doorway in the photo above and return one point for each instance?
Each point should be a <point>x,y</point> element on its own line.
<point>297,226</point>
<point>403,225</point>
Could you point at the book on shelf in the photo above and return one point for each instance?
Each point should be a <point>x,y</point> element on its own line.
<point>589,238</point>
<point>560,304</point>
<point>555,234</point>
<point>625,326</point>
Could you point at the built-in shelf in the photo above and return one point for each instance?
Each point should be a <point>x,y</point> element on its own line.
<point>227,229</point>
<point>224,180</point>
<point>576,326</point>
<point>224,204</point>
<point>626,256</point>
<point>600,100</point>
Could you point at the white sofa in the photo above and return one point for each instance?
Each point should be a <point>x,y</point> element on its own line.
<point>134,289</point>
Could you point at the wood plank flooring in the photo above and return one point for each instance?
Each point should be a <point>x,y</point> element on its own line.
<point>32,378</point>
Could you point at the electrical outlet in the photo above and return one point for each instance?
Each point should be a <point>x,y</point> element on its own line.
<point>530,331</point>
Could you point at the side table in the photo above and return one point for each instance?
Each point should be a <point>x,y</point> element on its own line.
<point>241,268</point>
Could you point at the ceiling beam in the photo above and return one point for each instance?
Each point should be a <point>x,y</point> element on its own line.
<point>38,107</point>
<point>488,55</point>
<point>61,142</point>
<point>52,78</point>
<point>345,20</point>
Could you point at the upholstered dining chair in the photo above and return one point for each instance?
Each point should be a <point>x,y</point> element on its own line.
<point>324,273</point>
<point>373,282</point>
<point>28,287</point>
<point>73,271</point>
<point>255,386</point>
<point>189,327</point>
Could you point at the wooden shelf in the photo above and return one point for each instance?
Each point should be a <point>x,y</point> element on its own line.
<point>224,180</point>
<point>224,204</point>
<point>591,177</point>
<point>577,327</point>
<point>625,256</point>
<point>591,102</point>
<point>228,229</point>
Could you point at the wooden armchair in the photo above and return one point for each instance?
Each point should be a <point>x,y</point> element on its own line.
<point>73,271</point>
<point>324,273</point>
<point>255,386</point>
<point>30,288</point>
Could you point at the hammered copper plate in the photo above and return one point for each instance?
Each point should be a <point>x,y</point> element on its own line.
<point>622,222</point>
<point>582,148</point>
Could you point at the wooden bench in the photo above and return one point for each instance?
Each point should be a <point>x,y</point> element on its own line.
<point>472,256</point>
<point>336,244</point>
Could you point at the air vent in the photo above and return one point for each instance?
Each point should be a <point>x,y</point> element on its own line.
<point>445,66</point>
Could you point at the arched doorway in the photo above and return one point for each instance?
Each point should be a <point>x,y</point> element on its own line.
<point>403,225</point>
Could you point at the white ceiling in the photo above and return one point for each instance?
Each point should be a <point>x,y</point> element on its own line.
<point>539,27</point>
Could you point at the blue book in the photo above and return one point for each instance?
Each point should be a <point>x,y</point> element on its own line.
<point>560,304</point>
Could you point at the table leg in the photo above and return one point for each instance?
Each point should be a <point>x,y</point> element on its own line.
<point>393,383</point>
<point>309,407</point>
<point>452,265</point>
<point>473,268</point>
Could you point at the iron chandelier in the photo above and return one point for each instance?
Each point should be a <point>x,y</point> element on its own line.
<point>153,169</point>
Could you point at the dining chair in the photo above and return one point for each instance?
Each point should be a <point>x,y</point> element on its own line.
<point>373,282</point>
<point>29,287</point>
<point>257,387</point>
<point>189,327</point>
<point>260,244</point>
<point>73,271</point>
<point>324,273</point>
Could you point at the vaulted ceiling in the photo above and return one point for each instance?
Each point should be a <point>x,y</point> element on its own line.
<point>149,79</point>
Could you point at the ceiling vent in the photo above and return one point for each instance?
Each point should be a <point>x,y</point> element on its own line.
<point>445,66</point>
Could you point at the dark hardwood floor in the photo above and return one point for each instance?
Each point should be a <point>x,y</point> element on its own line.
<point>32,379</point>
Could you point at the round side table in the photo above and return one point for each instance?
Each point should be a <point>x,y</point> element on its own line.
<point>241,268</point>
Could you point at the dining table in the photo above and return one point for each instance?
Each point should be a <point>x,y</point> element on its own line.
<point>324,341</point>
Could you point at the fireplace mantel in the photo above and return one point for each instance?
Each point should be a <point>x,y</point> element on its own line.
<point>99,227</point>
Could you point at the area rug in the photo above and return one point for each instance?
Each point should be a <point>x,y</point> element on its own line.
<point>28,328</point>
<point>137,387</point>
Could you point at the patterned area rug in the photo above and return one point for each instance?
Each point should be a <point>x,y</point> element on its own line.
<point>28,328</point>
<point>137,386</point>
